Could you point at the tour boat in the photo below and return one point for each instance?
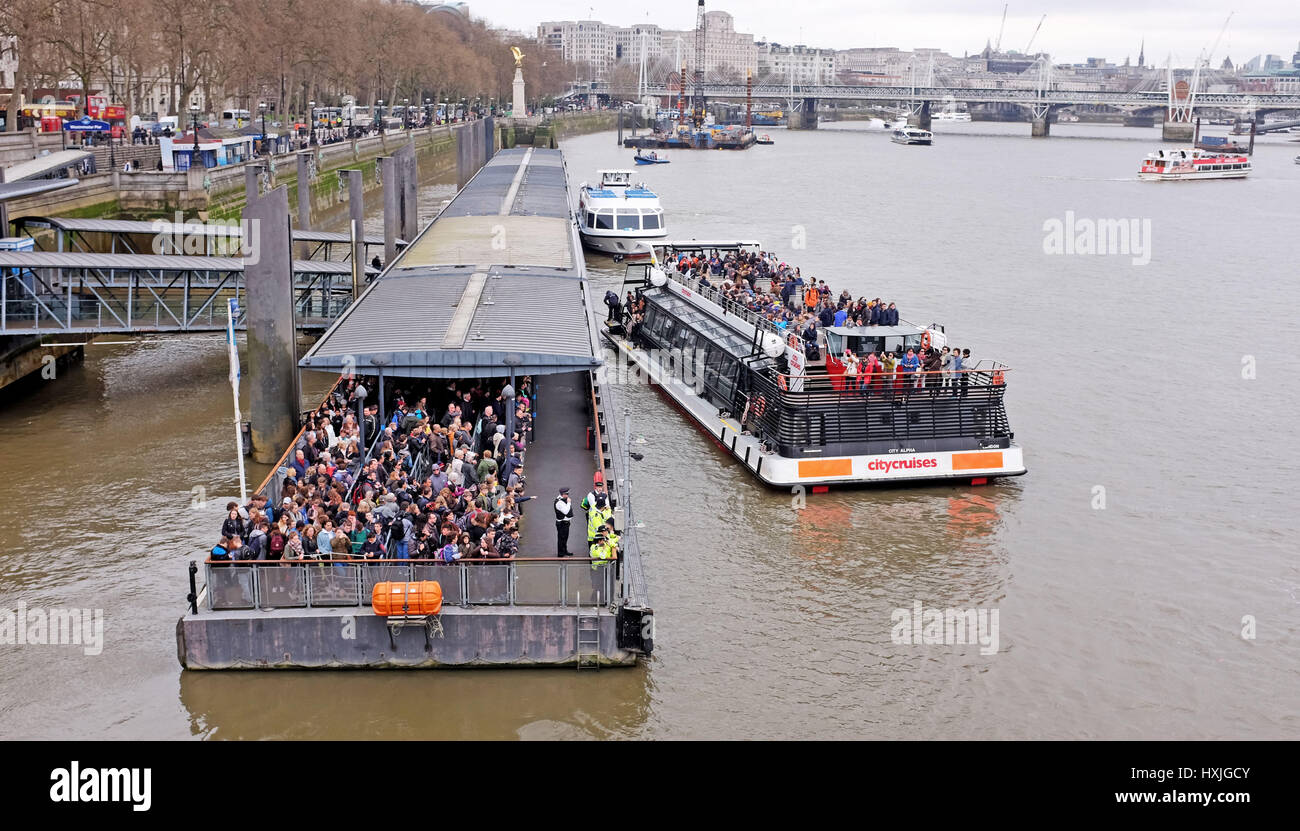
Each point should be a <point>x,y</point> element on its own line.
<point>1190,163</point>
<point>793,422</point>
<point>764,139</point>
<point>618,217</point>
<point>953,115</point>
<point>912,135</point>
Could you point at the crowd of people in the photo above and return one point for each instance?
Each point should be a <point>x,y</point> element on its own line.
<point>779,293</point>
<point>435,482</point>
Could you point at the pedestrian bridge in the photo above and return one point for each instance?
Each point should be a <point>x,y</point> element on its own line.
<point>99,276</point>
<point>51,292</point>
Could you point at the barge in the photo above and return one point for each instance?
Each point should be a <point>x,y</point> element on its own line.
<point>791,421</point>
<point>461,308</point>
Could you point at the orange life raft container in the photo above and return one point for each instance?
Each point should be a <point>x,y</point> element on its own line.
<point>422,598</point>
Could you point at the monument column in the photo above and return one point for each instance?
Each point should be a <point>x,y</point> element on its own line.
<point>519,104</point>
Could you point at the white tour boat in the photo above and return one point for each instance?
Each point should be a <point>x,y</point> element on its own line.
<point>792,421</point>
<point>912,135</point>
<point>617,216</point>
<point>1189,163</point>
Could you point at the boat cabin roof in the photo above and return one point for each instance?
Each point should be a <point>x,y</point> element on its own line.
<point>708,245</point>
<point>615,177</point>
<point>874,331</point>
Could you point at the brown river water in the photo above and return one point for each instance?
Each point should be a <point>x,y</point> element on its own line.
<point>1154,401</point>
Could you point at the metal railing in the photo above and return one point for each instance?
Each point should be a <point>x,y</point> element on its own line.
<point>839,412</point>
<point>307,584</point>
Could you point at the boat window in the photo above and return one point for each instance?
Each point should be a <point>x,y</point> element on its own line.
<point>650,220</point>
<point>591,220</point>
<point>834,343</point>
<point>628,220</point>
<point>604,221</point>
<point>894,343</point>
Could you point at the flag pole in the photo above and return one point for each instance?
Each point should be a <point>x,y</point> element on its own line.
<point>234,386</point>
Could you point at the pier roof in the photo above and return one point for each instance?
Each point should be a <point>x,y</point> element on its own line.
<point>495,282</point>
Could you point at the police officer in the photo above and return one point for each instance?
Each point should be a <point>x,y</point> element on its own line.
<point>604,554</point>
<point>563,516</point>
<point>597,515</point>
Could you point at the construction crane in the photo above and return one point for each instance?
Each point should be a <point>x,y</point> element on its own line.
<point>1209,55</point>
<point>997,46</point>
<point>1035,34</point>
<point>698,105</point>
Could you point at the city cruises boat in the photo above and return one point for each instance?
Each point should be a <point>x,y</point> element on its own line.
<point>912,135</point>
<point>764,139</point>
<point>1184,163</point>
<point>793,422</point>
<point>952,115</point>
<point>617,216</point>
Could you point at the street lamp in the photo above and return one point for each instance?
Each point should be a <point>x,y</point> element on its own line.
<point>194,119</point>
<point>428,112</point>
<point>378,120</point>
<point>406,113</point>
<point>311,123</point>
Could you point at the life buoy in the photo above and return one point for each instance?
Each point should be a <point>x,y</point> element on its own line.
<point>758,407</point>
<point>998,378</point>
<point>782,383</point>
<point>925,339</point>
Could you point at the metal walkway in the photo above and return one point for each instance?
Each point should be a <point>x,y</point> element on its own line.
<point>45,292</point>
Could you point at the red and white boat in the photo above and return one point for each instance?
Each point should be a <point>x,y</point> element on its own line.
<point>1185,163</point>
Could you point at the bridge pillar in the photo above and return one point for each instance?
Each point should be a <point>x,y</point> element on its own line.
<point>1183,131</point>
<point>920,118</point>
<point>272,358</point>
<point>305,159</point>
<point>1041,123</point>
<point>805,118</point>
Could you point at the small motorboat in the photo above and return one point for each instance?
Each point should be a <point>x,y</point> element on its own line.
<point>653,158</point>
<point>764,139</point>
<point>1297,159</point>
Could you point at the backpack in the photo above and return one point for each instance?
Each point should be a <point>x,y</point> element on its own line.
<point>448,553</point>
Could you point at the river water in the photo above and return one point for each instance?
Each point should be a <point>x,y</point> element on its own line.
<point>1153,399</point>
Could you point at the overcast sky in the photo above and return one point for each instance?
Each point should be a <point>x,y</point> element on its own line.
<point>1072,31</point>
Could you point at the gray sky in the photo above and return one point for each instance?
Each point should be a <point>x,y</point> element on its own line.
<point>1073,30</point>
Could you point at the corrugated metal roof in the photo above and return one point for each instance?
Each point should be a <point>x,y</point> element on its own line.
<point>29,187</point>
<point>412,322</point>
<point>156,262</point>
<point>45,165</point>
<point>195,227</point>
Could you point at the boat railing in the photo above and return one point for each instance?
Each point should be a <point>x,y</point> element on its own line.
<point>728,305</point>
<point>303,584</point>
<point>792,413</point>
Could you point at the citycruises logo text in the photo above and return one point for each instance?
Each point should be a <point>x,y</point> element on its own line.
<point>77,784</point>
<point>887,465</point>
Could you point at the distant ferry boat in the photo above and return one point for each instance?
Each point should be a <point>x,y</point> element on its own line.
<point>616,216</point>
<point>951,116</point>
<point>912,135</point>
<point>1169,165</point>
